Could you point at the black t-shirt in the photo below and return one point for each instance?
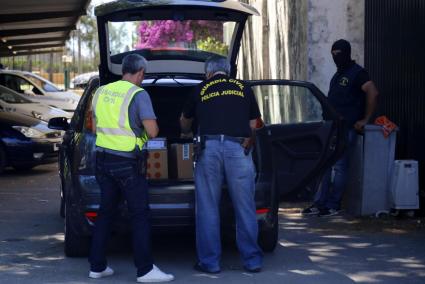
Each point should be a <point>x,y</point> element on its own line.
<point>361,79</point>
<point>222,105</point>
<point>346,94</point>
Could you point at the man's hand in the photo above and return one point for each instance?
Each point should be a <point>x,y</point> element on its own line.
<point>186,135</point>
<point>247,143</point>
<point>359,125</point>
<point>186,124</point>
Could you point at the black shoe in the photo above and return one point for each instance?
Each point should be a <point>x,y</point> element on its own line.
<point>328,212</point>
<point>312,210</point>
<point>252,270</point>
<point>199,267</point>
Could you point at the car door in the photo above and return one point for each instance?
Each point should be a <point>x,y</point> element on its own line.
<point>22,86</point>
<point>77,150</point>
<point>302,135</point>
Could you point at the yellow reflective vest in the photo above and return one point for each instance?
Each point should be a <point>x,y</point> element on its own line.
<point>110,106</point>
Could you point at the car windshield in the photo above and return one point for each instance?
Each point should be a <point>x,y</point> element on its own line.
<point>189,39</point>
<point>11,97</point>
<point>47,87</point>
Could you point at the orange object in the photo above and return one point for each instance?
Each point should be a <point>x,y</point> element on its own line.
<point>259,123</point>
<point>387,125</point>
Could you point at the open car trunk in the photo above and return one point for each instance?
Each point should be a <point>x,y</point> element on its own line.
<point>168,102</point>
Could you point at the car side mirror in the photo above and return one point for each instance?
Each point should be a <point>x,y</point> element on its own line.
<point>58,123</point>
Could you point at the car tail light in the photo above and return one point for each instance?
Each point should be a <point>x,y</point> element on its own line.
<point>91,216</point>
<point>88,120</point>
<point>262,211</point>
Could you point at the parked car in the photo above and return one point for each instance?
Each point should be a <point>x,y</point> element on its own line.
<point>82,80</point>
<point>17,81</point>
<point>49,87</point>
<point>300,139</point>
<point>12,101</point>
<point>26,142</point>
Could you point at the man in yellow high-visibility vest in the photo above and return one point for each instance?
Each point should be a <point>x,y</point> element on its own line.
<point>124,121</point>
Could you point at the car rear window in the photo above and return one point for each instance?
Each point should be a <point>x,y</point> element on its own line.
<point>191,39</point>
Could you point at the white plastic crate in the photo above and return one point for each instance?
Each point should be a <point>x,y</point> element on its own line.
<point>405,185</point>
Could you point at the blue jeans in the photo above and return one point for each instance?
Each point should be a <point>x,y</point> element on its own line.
<point>118,175</point>
<point>330,196</point>
<point>219,160</point>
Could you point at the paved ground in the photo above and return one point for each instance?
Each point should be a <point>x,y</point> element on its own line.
<point>311,250</point>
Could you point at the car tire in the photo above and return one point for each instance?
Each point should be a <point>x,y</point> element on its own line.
<point>268,237</point>
<point>2,159</point>
<point>62,202</point>
<point>62,208</point>
<point>75,245</point>
<point>23,168</point>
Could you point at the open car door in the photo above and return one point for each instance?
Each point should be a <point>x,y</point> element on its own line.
<point>302,135</point>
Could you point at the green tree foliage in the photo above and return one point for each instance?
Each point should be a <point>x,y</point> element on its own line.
<point>210,44</point>
<point>88,33</point>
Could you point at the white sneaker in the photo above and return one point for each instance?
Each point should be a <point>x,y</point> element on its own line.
<point>155,275</point>
<point>105,273</point>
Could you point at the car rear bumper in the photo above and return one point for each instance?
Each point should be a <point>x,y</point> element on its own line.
<point>172,207</point>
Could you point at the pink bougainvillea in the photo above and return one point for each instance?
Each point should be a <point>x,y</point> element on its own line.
<point>168,33</point>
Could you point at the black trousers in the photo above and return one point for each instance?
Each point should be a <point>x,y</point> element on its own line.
<point>119,175</point>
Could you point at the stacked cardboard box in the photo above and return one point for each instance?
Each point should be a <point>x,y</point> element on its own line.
<point>157,166</point>
<point>181,161</point>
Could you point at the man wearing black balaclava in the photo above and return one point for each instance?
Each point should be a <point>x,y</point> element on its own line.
<point>354,97</point>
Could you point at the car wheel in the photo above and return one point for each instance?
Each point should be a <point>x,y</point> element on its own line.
<point>75,245</point>
<point>268,237</point>
<point>2,159</point>
<point>23,167</point>
<point>62,208</point>
<point>62,202</point>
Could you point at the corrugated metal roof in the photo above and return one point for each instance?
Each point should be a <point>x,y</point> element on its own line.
<point>31,26</point>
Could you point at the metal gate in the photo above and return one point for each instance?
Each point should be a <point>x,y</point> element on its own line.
<point>395,59</point>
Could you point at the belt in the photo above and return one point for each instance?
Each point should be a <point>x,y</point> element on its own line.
<point>222,138</point>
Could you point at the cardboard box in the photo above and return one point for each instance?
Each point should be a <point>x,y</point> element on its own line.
<point>181,161</point>
<point>157,166</point>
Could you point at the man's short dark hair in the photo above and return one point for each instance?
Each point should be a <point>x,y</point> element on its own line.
<point>133,63</point>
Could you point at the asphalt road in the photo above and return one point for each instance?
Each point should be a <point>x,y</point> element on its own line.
<point>311,250</point>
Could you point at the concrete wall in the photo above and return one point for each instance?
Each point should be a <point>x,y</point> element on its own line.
<point>274,45</point>
<point>330,20</point>
<point>292,39</point>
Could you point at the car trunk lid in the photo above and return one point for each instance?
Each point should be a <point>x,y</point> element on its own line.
<point>176,37</point>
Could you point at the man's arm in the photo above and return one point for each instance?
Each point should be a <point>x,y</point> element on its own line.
<point>188,114</point>
<point>186,124</point>
<point>371,101</point>
<point>151,127</point>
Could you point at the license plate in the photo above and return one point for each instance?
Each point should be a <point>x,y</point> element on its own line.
<point>55,147</point>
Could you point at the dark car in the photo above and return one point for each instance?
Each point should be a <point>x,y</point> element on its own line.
<point>26,142</point>
<point>301,136</point>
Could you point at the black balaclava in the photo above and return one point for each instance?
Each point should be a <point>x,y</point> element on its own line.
<point>342,59</point>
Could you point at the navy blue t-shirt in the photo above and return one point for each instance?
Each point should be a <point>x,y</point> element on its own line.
<point>346,94</point>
